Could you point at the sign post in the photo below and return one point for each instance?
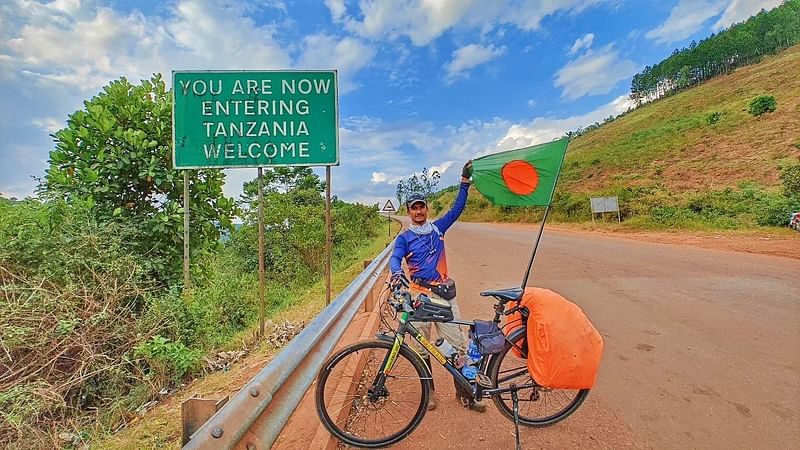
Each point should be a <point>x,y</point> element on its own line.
<point>328,235</point>
<point>187,280</point>
<point>388,207</point>
<point>231,119</point>
<point>261,275</point>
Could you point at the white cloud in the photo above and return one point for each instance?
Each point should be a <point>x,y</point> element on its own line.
<point>441,168</point>
<point>49,124</point>
<point>688,16</point>
<point>422,21</point>
<point>337,8</point>
<point>468,57</point>
<point>581,43</point>
<point>544,129</point>
<point>740,10</point>
<point>349,55</point>
<point>685,19</point>
<point>197,34</point>
<point>379,177</point>
<point>593,73</point>
<point>235,178</point>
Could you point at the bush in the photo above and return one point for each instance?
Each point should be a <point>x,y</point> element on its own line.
<point>167,360</point>
<point>713,117</point>
<point>762,104</point>
<point>790,177</point>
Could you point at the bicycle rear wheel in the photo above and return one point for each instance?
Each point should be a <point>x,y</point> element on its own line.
<point>360,406</point>
<point>538,406</point>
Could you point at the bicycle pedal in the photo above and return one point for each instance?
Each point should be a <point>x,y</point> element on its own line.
<point>483,380</point>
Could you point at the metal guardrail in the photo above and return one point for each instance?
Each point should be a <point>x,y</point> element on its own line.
<point>255,416</point>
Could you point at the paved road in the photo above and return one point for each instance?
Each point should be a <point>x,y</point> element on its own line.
<point>702,347</point>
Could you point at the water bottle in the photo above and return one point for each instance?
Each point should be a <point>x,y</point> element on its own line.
<point>470,370</point>
<point>445,347</point>
<point>473,352</point>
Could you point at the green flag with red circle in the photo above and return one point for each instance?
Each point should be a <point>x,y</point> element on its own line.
<point>522,177</point>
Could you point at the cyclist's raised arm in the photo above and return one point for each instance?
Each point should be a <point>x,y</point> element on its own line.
<point>447,220</point>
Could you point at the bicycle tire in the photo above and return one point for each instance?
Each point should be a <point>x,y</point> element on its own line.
<point>359,401</point>
<point>570,398</point>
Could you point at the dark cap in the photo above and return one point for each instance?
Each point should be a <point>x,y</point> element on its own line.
<point>415,198</point>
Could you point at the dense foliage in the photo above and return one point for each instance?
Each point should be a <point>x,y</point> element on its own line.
<point>95,321</point>
<point>116,155</point>
<point>744,43</point>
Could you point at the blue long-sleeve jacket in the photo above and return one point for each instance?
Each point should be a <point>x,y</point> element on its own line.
<point>424,253</point>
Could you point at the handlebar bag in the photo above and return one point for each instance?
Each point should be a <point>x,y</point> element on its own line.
<point>432,310</point>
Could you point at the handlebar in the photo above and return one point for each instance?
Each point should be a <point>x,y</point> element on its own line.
<point>401,299</point>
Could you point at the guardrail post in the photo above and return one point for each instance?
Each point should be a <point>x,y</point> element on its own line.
<point>369,302</point>
<point>195,412</point>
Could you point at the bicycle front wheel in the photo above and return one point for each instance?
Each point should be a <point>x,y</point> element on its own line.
<point>538,406</point>
<point>364,408</point>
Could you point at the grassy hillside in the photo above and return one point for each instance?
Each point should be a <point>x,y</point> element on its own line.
<point>672,168</point>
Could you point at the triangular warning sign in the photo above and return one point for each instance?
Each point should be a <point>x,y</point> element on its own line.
<point>388,207</point>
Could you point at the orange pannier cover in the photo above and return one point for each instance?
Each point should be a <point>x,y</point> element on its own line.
<point>566,348</point>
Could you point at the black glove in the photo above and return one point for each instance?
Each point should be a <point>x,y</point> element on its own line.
<point>398,280</point>
<point>466,172</point>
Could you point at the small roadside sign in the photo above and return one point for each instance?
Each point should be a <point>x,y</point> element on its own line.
<point>388,207</point>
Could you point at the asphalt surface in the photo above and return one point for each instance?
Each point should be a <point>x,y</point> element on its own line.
<point>702,347</point>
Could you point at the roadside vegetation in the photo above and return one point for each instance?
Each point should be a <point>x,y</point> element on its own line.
<point>96,321</point>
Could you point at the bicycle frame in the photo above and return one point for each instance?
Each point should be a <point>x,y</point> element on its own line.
<point>477,391</point>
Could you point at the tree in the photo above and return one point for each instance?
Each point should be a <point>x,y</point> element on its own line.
<point>116,155</point>
<point>423,182</point>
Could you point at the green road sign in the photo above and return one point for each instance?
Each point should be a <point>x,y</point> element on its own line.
<point>254,119</point>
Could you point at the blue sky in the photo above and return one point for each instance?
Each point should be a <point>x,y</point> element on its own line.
<point>423,83</point>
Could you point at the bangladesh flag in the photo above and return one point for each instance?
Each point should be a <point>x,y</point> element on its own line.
<point>522,177</point>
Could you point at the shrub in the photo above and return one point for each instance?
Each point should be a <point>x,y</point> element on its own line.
<point>167,360</point>
<point>762,104</point>
<point>790,177</point>
<point>713,117</point>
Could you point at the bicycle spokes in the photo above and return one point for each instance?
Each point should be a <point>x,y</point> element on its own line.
<point>367,403</point>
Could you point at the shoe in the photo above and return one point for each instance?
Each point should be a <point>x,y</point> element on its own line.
<point>432,401</point>
<point>478,405</point>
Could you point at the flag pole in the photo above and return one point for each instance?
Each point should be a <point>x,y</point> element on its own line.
<point>544,219</point>
<point>535,248</point>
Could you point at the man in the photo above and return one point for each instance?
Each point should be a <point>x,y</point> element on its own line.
<point>422,246</point>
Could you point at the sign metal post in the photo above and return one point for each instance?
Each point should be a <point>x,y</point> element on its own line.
<point>388,207</point>
<point>187,280</point>
<point>261,282</point>
<point>327,235</point>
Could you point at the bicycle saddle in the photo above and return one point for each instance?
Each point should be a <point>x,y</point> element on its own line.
<point>507,295</point>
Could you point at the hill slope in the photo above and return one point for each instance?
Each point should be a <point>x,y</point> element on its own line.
<point>671,168</point>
